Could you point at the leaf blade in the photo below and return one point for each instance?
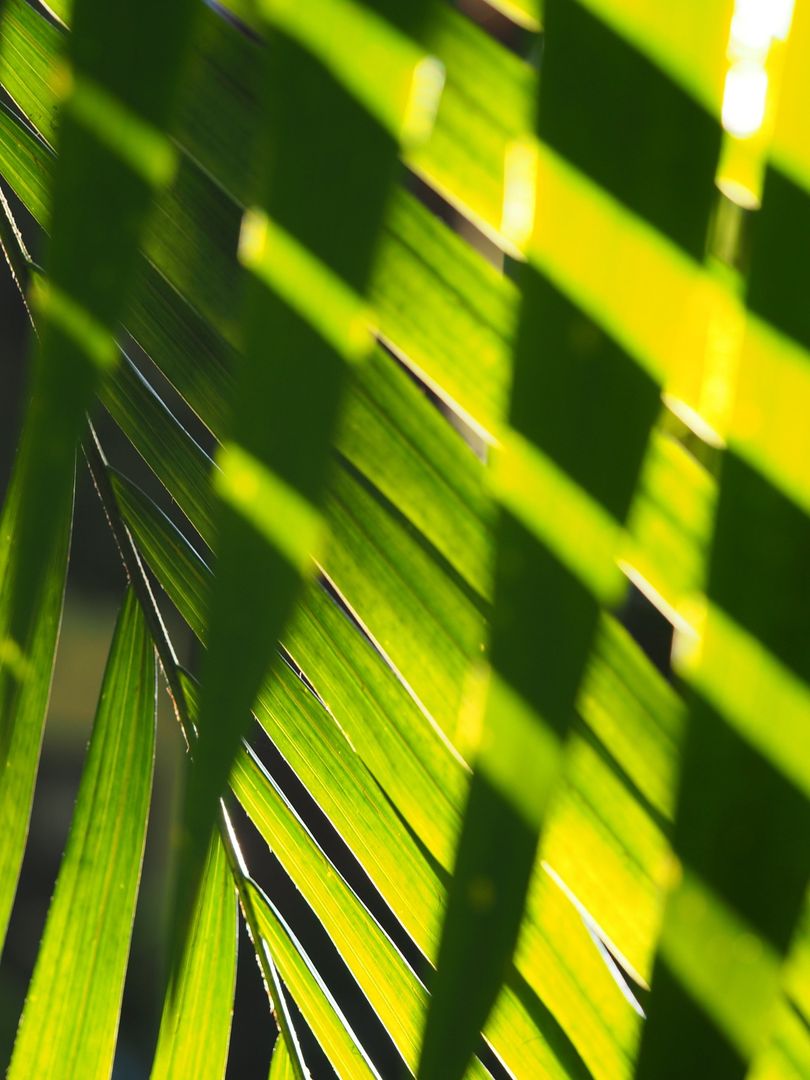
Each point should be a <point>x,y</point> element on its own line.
<point>196,1023</point>
<point>70,1017</point>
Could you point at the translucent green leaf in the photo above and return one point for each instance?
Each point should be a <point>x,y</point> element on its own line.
<point>70,1020</point>
<point>419,263</point>
<point>743,817</point>
<point>21,749</point>
<point>308,252</point>
<point>381,972</point>
<point>333,774</point>
<point>396,739</point>
<point>280,1066</point>
<point>379,607</point>
<point>113,145</point>
<point>488,102</point>
<point>317,1005</point>
<point>196,1023</point>
<point>580,417</point>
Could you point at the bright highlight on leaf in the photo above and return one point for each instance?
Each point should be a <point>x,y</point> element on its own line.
<point>291,524</point>
<point>77,323</point>
<point>575,527</point>
<point>306,284</point>
<point>400,88</point>
<point>145,149</point>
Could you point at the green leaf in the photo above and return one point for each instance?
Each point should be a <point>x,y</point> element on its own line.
<point>167,451</point>
<point>381,972</point>
<point>419,263</point>
<point>20,751</point>
<point>742,832</point>
<point>113,148</point>
<point>391,688</point>
<point>317,1005</point>
<point>786,1053</point>
<point>196,1023</point>
<point>280,1066</point>
<point>488,102</point>
<point>564,476</point>
<point>308,253</point>
<point>600,1019</point>
<point>163,449</point>
<point>398,742</point>
<point>70,1018</point>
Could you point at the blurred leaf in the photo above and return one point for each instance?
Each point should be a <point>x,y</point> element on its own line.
<point>385,687</point>
<point>307,252</point>
<point>742,833</point>
<point>420,263</point>
<point>567,466</point>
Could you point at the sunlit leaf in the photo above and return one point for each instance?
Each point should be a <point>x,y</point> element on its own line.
<point>196,1022</point>
<point>307,252</point>
<point>114,148</point>
<point>20,750</point>
<point>70,1020</point>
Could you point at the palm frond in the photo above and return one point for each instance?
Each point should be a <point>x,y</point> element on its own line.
<point>420,381</point>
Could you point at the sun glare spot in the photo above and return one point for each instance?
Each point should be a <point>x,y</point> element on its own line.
<point>744,98</point>
<point>755,25</point>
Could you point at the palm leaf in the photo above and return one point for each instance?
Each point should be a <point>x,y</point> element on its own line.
<point>554,488</point>
<point>376,696</point>
<point>22,747</point>
<point>70,1019</point>
<point>743,777</point>
<point>196,1023</point>
<point>112,142</point>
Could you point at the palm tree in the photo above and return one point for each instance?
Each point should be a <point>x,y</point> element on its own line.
<point>432,482</point>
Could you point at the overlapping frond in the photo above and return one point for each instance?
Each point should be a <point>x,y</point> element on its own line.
<point>426,485</point>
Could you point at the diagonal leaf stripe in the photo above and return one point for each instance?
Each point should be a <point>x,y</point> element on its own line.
<point>460,608</point>
<point>308,253</point>
<point>280,1067</point>
<point>166,454</point>
<point>318,755</point>
<point>424,260</point>
<point>743,816</point>
<point>571,376</point>
<point>317,1005</point>
<point>138,412</point>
